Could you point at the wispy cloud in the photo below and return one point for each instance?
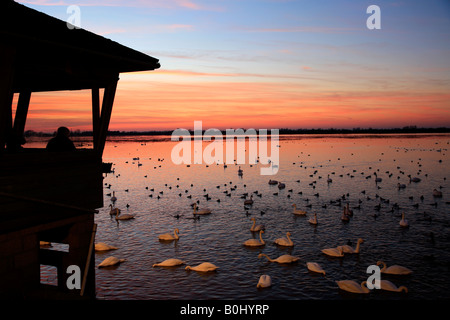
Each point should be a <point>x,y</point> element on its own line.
<point>167,4</point>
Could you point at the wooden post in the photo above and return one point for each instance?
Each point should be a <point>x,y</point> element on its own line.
<point>107,105</point>
<point>7,55</point>
<point>21,113</point>
<point>95,115</point>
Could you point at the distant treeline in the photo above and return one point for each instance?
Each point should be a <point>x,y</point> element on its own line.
<point>408,129</point>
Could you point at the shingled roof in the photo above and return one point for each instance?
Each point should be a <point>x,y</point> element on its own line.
<point>49,56</point>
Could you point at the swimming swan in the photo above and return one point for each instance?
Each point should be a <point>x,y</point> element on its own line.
<point>285,258</point>
<point>169,237</point>
<point>264,281</point>
<point>203,267</point>
<point>313,220</point>
<point>111,261</point>
<point>286,242</point>
<point>315,267</point>
<point>394,269</point>
<point>404,222</point>
<point>124,216</point>
<point>255,242</point>
<point>298,212</point>
<point>113,211</point>
<point>101,246</point>
<point>353,286</point>
<point>334,252</point>
<point>348,249</point>
<point>389,286</point>
<point>169,263</point>
<point>201,212</point>
<point>255,227</point>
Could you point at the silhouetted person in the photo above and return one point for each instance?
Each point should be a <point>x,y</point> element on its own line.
<point>61,141</point>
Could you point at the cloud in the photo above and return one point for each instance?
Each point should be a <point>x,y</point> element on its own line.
<point>167,4</point>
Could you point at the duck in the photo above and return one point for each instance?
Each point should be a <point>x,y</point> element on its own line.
<point>334,252</point>
<point>256,228</point>
<point>298,212</point>
<point>285,258</point>
<point>352,286</point>
<point>401,186</point>
<point>249,201</point>
<point>313,220</point>
<point>264,281</point>
<point>169,237</point>
<point>281,185</point>
<point>255,242</point>
<point>201,212</point>
<point>389,286</point>
<point>315,267</point>
<point>111,261</point>
<point>404,222</point>
<point>273,182</point>
<point>347,249</point>
<point>415,179</point>
<point>394,269</point>
<point>285,242</point>
<point>437,194</point>
<point>101,246</point>
<point>203,267</point>
<point>169,263</point>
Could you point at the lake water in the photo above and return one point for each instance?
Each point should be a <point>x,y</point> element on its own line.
<point>352,161</point>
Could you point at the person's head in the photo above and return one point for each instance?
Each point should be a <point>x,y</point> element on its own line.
<point>63,131</point>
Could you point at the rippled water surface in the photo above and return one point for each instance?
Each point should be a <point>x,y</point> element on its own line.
<point>352,161</point>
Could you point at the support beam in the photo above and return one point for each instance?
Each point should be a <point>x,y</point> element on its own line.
<point>6,93</point>
<point>21,115</point>
<point>107,105</point>
<point>95,115</point>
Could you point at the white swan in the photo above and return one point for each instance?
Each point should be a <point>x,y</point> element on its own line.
<point>334,252</point>
<point>255,242</point>
<point>256,228</point>
<point>348,249</point>
<point>389,286</point>
<point>315,267</point>
<point>101,246</point>
<point>285,258</point>
<point>201,212</point>
<point>394,269</point>
<point>169,263</point>
<point>404,222</point>
<point>113,211</point>
<point>264,281</point>
<point>313,220</point>
<point>111,261</point>
<point>203,267</point>
<point>124,216</point>
<point>286,242</point>
<point>353,286</point>
<point>298,212</point>
<point>169,237</point>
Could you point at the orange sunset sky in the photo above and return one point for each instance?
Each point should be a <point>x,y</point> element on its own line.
<point>265,64</point>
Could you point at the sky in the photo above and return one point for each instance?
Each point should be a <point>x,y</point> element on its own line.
<point>265,64</point>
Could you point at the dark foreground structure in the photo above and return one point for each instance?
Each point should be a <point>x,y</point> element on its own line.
<point>52,196</point>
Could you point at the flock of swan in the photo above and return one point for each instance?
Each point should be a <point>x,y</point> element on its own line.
<point>259,229</point>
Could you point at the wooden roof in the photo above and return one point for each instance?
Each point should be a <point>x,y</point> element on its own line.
<point>48,56</point>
